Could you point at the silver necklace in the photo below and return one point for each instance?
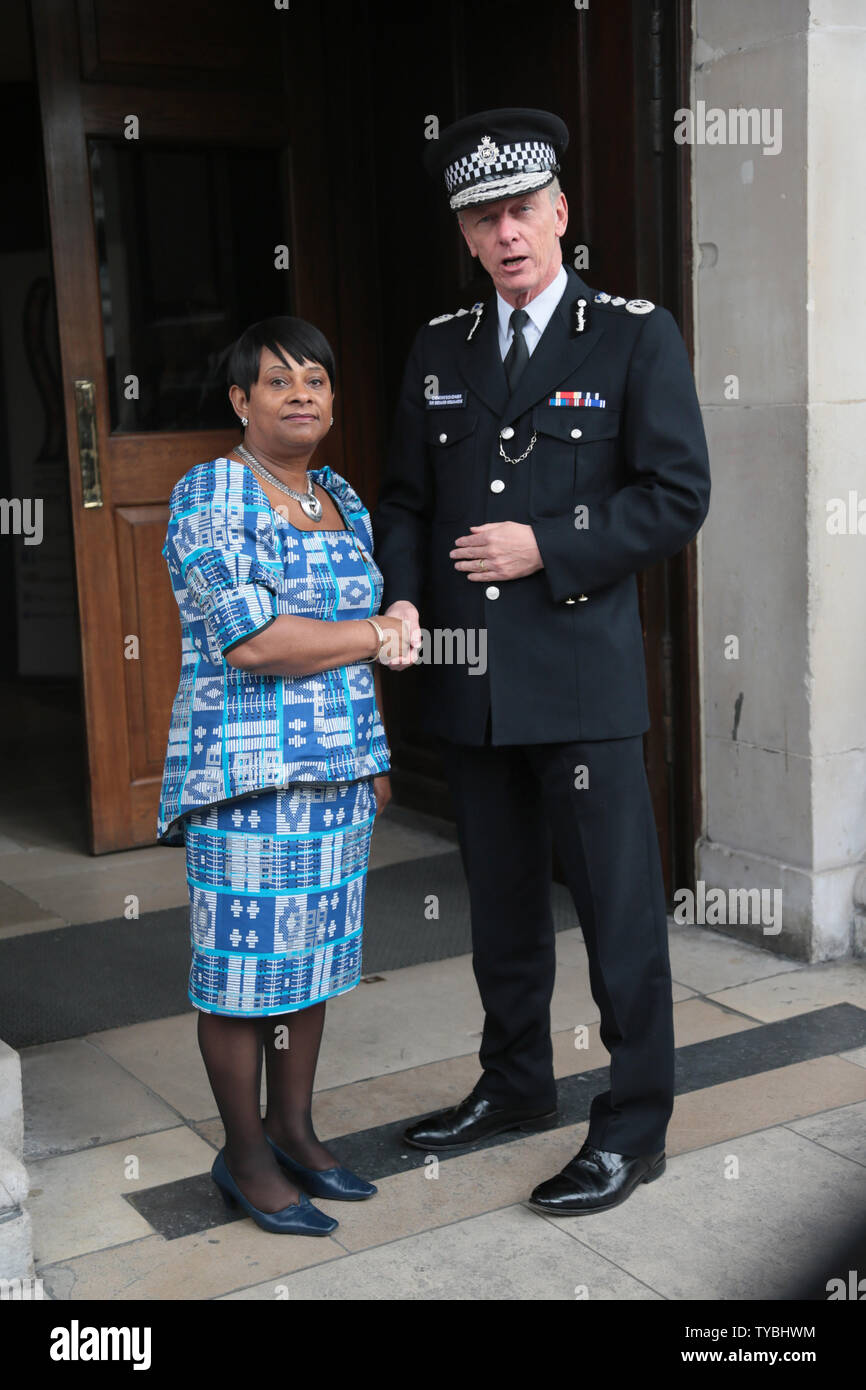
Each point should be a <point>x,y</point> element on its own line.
<point>308,500</point>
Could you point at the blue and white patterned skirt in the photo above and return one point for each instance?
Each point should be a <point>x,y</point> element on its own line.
<point>277,882</point>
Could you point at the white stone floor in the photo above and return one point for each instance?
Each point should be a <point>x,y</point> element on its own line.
<point>405,1045</point>
<point>401,1046</point>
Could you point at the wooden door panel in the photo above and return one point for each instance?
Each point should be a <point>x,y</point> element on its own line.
<point>216,119</point>
<point>158,41</point>
<point>80,331</point>
<point>149,613</point>
<point>146,467</point>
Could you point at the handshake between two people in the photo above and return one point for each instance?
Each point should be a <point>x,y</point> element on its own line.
<point>403,636</point>
<point>495,551</point>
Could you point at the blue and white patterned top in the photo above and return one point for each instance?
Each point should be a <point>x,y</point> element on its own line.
<point>236,565</point>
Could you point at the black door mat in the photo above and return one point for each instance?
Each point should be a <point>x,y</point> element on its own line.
<point>98,975</point>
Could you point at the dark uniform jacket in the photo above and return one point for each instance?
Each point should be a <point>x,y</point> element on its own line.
<point>565,657</point>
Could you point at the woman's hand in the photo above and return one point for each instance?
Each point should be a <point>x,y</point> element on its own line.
<point>382,790</point>
<point>404,657</point>
<point>397,648</point>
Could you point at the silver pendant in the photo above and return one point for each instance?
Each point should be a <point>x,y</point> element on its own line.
<point>308,501</point>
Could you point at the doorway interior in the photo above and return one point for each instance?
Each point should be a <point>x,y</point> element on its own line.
<point>375,253</point>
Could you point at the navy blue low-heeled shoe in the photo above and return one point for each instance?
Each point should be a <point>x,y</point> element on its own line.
<point>300,1219</point>
<point>337,1183</point>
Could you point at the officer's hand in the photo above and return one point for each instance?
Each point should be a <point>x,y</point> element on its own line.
<point>508,549</point>
<point>401,657</point>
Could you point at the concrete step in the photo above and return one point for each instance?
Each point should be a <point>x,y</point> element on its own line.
<point>11,1102</point>
<point>16,1237</point>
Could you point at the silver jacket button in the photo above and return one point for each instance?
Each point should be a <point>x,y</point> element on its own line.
<point>497,485</point>
<point>581,598</point>
<point>570,600</point>
<point>507,433</point>
<point>443,439</point>
<point>575,434</point>
<point>491,591</point>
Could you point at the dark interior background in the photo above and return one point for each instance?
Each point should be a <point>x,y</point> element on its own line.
<point>613,73</point>
<point>361,83</point>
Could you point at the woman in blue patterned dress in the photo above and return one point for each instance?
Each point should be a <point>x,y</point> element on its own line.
<point>277,762</point>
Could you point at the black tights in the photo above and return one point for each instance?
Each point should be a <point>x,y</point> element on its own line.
<point>232,1052</point>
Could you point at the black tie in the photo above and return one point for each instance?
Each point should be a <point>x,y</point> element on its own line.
<point>518,353</point>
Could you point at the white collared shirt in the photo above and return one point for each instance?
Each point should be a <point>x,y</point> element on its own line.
<point>539,310</point>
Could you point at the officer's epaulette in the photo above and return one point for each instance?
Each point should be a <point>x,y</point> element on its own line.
<point>619,302</point>
<point>477,310</point>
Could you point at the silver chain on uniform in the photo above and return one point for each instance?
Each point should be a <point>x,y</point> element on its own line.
<point>520,457</point>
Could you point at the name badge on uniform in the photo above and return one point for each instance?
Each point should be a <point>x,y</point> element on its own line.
<point>577,398</point>
<point>445,402</point>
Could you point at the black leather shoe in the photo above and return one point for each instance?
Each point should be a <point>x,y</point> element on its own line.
<point>595,1180</point>
<point>473,1119</point>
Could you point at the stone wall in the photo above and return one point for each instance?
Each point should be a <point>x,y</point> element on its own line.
<point>780,296</point>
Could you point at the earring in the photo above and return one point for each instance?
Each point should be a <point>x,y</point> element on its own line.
<point>244,421</point>
<point>332,419</point>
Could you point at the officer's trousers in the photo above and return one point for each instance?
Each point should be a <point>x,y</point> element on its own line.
<point>593,801</point>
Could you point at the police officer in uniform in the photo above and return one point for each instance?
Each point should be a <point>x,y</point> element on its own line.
<point>548,446</point>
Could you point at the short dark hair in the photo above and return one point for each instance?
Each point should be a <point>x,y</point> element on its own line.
<point>300,339</point>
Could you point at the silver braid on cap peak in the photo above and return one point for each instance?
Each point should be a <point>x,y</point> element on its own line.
<point>502,188</point>
<point>490,166</point>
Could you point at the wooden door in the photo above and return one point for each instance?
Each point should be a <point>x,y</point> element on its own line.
<point>174,175</point>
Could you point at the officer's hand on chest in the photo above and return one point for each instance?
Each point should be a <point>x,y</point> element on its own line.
<point>497,550</point>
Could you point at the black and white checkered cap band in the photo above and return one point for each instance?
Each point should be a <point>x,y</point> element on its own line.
<point>517,168</point>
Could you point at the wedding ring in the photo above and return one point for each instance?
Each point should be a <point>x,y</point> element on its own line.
<point>481,564</point>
